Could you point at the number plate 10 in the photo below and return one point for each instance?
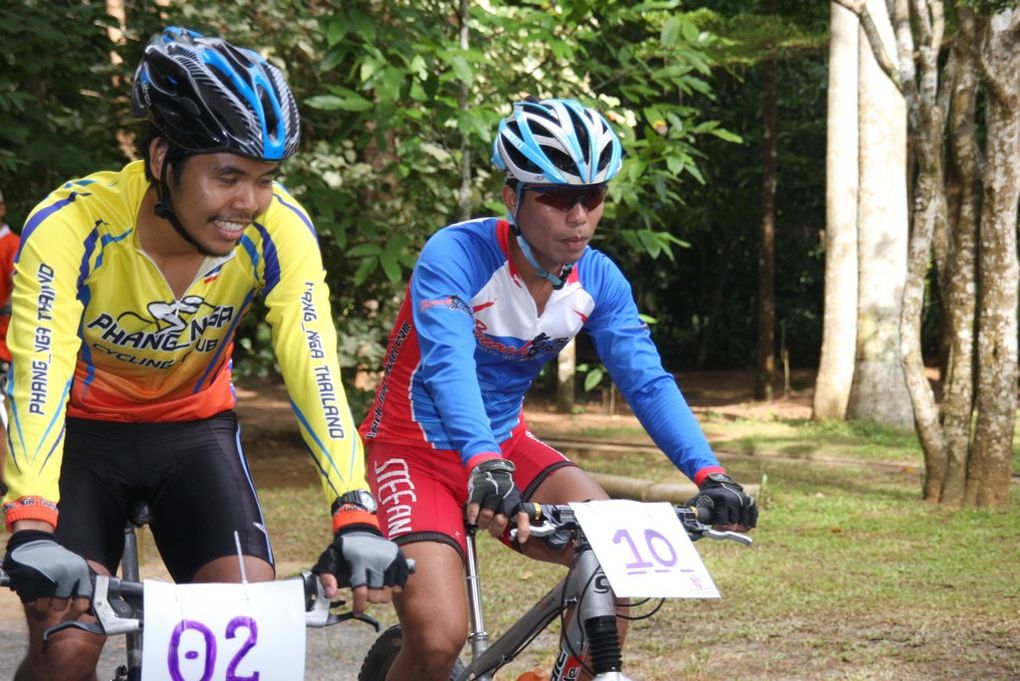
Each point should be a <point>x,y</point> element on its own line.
<point>644,550</point>
<point>224,632</point>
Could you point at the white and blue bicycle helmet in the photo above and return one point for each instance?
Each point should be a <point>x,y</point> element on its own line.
<point>206,95</point>
<point>556,141</point>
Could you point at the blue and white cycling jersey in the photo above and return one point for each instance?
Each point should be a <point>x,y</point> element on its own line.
<point>468,342</point>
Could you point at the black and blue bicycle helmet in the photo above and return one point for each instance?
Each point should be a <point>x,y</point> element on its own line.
<point>206,95</point>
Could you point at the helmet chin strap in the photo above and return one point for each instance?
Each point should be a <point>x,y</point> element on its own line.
<point>164,210</point>
<point>558,282</point>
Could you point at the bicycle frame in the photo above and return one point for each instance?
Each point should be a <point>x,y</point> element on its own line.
<point>590,640</point>
<point>139,516</point>
<point>596,611</point>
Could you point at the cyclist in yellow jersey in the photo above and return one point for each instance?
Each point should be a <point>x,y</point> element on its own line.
<point>129,287</point>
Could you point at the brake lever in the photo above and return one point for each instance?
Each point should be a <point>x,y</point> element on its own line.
<point>544,530</point>
<point>729,535</point>
<point>696,531</point>
<point>319,610</point>
<point>322,615</point>
<point>318,607</point>
<point>89,627</point>
<point>351,615</point>
<point>107,611</point>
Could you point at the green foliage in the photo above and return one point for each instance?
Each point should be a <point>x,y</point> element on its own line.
<point>416,111</point>
<point>706,303</point>
<point>990,6</point>
<point>402,113</point>
<point>253,353</point>
<point>398,120</point>
<point>593,375</point>
<point>705,293</point>
<point>59,111</point>
<point>752,34</point>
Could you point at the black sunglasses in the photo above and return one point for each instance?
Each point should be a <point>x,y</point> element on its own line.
<point>565,197</point>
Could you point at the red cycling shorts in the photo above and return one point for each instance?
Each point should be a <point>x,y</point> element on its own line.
<point>422,491</point>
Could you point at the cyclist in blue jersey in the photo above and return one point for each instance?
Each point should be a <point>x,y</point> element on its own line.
<point>489,302</point>
<point>129,286</point>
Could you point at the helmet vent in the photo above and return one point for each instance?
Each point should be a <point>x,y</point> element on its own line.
<point>556,141</point>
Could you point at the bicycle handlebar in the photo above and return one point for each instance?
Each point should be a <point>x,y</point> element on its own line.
<point>548,519</point>
<point>118,605</point>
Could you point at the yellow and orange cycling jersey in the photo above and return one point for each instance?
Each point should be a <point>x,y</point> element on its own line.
<point>96,332</point>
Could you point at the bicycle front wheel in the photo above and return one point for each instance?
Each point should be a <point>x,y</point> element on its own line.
<point>384,650</point>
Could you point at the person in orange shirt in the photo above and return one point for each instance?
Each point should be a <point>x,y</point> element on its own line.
<point>9,241</point>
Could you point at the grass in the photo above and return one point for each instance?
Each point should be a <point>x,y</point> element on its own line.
<point>807,438</point>
<point>797,437</point>
<point>802,438</point>
<point>846,554</point>
<point>851,576</point>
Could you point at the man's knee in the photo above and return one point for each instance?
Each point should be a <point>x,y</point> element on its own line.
<point>437,646</point>
<point>68,656</point>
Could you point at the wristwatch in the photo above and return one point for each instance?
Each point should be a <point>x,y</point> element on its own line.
<point>361,498</point>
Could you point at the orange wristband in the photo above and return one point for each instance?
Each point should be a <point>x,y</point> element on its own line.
<point>30,508</point>
<point>353,515</point>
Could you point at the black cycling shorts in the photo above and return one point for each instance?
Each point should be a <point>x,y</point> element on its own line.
<point>193,474</point>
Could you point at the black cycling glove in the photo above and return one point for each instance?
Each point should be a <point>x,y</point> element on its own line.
<point>359,555</point>
<point>491,485</point>
<point>39,567</point>
<point>721,501</point>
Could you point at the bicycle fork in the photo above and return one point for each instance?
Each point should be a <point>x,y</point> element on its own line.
<point>591,632</point>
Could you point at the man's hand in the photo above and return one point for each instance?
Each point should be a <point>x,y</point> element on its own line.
<point>493,498</point>
<point>45,573</point>
<point>721,502</point>
<point>360,558</point>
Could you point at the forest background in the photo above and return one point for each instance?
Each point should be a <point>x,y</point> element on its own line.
<point>719,216</point>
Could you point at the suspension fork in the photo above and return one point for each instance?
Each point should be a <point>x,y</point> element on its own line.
<point>591,631</point>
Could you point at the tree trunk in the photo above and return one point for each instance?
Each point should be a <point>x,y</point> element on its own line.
<point>565,372</point>
<point>879,391</point>
<point>946,480</point>
<point>988,473</point>
<point>839,334</point>
<point>717,277</point>
<point>767,248</point>
<point>968,452</point>
<point>929,217</point>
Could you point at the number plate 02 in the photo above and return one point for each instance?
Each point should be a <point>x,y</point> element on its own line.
<point>224,632</point>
